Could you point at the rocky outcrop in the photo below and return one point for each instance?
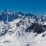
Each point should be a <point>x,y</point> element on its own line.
<point>36,28</point>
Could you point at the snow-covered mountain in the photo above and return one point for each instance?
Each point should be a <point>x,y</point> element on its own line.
<point>18,29</point>
<point>8,16</point>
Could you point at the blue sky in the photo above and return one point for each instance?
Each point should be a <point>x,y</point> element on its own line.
<point>36,7</point>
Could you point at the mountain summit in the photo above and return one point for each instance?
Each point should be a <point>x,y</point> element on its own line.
<point>7,15</point>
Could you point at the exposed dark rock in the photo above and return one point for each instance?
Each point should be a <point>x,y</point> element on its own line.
<point>36,28</point>
<point>29,28</point>
<point>43,35</point>
<point>28,45</point>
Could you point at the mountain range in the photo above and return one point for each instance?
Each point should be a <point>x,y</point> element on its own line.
<point>18,29</point>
